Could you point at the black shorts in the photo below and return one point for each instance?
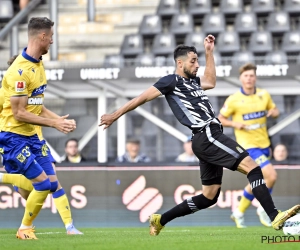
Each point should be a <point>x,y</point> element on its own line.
<point>215,151</point>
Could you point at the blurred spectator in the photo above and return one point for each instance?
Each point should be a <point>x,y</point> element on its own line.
<point>280,154</point>
<point>72,153</point>
<point>133,152</point>
<point>188,154</point>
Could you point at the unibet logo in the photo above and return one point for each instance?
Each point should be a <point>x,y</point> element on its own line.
<point>136,198</point>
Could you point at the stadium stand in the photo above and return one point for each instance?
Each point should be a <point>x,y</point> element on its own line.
<point>144,33</point>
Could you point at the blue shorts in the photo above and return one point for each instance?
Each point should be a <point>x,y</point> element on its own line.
<point>24,155</point>
<point>260,155</point>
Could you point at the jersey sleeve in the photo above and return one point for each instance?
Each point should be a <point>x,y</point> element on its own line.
<point>17,83</point>
<point>228,108</point>
<point>166,84</point>
<point>270,103</point>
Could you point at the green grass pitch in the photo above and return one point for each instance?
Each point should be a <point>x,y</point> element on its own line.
<point>170,238</point>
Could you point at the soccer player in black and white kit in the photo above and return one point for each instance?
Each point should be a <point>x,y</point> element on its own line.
<point>189,103</point>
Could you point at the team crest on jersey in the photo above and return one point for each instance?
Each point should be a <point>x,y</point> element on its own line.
<point>20,71</point>
<point>20,86</point>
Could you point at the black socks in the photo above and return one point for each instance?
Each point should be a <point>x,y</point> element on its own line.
<point>261,192</point>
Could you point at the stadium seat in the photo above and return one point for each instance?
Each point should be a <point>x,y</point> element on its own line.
<point>144,60</point>
<point>196,40</point>
<point>228,42</point>
<point>245,23</point>
<point>182,24</point>
<point>151,25</point>
<point>278,22</point>
<point>199,7</point>
<point>260,42</point>
<point>243,57</point>
<point>231,6</point>
<point>262,6</point>
<point>217,57</point>
<point>113,61</point>
<point>276,57</point>
<point>132,45</point>
<point>291,41</point>
<point>168,7</point>
<point>6,10</point>
<point>163,44</point>
<point>213,23</point>
<point>292,6</point>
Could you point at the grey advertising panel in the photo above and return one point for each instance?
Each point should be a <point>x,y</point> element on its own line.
<point>126,196</point>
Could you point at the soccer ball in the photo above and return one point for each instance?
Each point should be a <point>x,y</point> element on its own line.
<point>292,225</point>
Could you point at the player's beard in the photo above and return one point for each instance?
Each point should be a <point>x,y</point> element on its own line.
<point>188,73</point>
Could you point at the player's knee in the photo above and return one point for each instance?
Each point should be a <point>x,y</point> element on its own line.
<point>54,186</point>
<point>43,185</point>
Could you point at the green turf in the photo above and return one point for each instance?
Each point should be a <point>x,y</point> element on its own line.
<point>171,238</point>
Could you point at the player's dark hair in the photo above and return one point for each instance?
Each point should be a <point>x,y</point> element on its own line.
<point>183,50</point>
<point>11,60</point>
<point>71,139</point>
<point>37,24</point>
<point>246,67</point>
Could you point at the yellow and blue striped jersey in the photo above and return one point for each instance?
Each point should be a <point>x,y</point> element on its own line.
<point>26,76</point>
<point>250,110</point>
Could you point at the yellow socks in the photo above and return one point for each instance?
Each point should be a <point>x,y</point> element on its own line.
<point>62,205</point>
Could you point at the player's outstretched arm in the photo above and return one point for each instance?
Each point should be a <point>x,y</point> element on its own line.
<point>208,80</point>
<point>273,112</point>
<point>148,95</point>
<point>18,105</point>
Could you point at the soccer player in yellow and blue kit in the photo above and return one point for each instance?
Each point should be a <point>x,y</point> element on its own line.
<point>249,108</point>
<point>23,153</point>
<point>24,186</point>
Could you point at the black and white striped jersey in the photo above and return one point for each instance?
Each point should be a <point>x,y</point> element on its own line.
<point>187,100</point>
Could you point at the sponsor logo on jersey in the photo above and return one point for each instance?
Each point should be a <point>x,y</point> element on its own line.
<point>20,86</point>
<point>254,115</point>
<point>33,70</point>
<point>20,71</point>
<point>40,90</point>
<point>35,101</point>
